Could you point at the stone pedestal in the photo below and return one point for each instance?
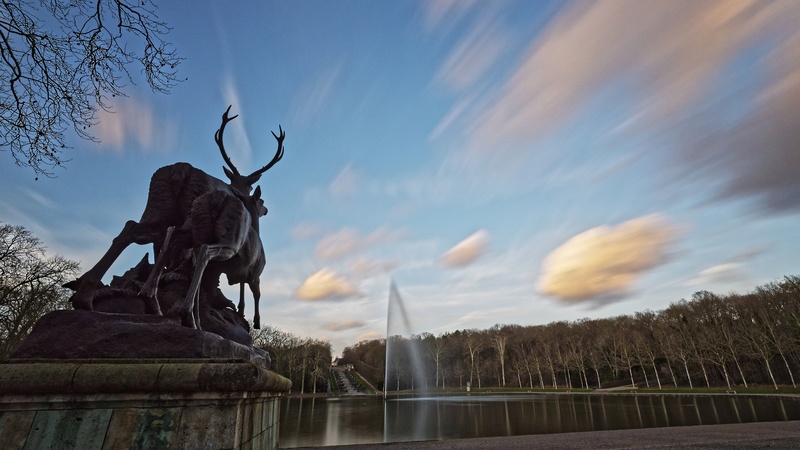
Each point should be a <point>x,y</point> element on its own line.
<point>139,404</point>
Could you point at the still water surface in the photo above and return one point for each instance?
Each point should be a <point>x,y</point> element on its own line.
<point>359,420</point>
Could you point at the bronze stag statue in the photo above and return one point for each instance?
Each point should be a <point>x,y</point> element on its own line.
<point>189,211</point>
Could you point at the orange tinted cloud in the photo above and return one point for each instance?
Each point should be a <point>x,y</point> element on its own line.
<point>606,260</point>
<point>466,251</point>
<point>326,284</point>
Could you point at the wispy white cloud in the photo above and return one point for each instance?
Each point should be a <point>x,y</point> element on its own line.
<point>435,13</point>
<point>466,251</point>
<point>365,267</point>
<point>347,324</point>
<point>305,230</point>
<point>474,55</point>
<point>345,184</point>
<point>347,241</point>
<point>721,273</point>
<point>606,261</point>
<point>369,336</point>
<point>338,245</point>
<point>133,125</point>
<point>38,198</point>
<point>314,96</point>
<point>237,143</point>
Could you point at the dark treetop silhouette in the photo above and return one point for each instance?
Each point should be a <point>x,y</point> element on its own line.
<point>200,228</point>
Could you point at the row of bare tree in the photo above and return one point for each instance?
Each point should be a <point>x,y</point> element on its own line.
<point>305,361</point>
<point>30,284</point>
<point>709,341</point>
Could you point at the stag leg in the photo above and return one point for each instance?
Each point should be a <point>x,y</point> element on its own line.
<point>240,309</point>
<point>187,309</point>
<point>149,290</point>
<point>203,255</point>
<point>255,288</point>
<point>90,281</point>
<point>196,309</point>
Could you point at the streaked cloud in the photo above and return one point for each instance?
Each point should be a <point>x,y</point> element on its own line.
<point>38,198</point>
<point>670,50</point>
<point>313,97</point>
<point>474,55</point>
<point>338,245</point>
<point>721,273</point>
<point>236,140</point>
<point>678,63</point>
<point>326,284</point>
<point>606,261</point>
<point>133,123</point>
<point>345,183</point>
<point>365,267</point>
<point>369,336</point>
<point>759,159</point>
<point>436,12</point>
<point>347,241</point>
<point>348,324</point>
<point>305,230</point>
<point>467,251</point>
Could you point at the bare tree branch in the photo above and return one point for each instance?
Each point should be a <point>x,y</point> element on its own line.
<point>60,60</point>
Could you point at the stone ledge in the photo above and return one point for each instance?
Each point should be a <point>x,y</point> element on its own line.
<point>131,376</point>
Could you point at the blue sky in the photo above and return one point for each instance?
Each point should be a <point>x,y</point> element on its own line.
<point>505,162</point>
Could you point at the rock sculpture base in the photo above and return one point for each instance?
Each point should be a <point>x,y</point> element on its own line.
<point>81,334</point>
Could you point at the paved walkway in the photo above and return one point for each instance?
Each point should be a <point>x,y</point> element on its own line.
<point>773,435</point>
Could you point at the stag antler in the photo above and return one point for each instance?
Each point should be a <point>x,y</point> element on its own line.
<point>218,139</point>
<point>241,182</point>
<point>275,159</point>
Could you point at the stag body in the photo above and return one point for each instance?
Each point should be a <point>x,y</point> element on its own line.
<point>171,196</point>
<point>225,239</point>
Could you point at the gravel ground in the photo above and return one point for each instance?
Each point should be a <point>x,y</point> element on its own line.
<point>773,435</point>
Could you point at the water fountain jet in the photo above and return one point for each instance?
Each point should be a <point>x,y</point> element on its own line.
<point>402,349</point>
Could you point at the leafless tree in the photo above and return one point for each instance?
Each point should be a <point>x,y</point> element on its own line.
<point>473,344</point>
<point>646,347</point>
<point>299,359</point>
<point>499,341</point>
<point>436,347</point>
<point>61,60</point>
<point>598,336</point>
<point>30,284</point>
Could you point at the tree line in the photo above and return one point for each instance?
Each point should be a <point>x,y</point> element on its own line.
<point>710,340</point>
<point>30,284</point>
<point>304,361</point>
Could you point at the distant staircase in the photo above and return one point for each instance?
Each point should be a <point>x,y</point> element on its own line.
<point>346,382</point>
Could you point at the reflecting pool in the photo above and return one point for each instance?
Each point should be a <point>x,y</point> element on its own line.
<point>366,419</point>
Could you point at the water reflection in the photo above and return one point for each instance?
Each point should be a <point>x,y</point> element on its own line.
<point>356,420</point>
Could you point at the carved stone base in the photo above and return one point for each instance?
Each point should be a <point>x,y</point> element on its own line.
<point>141,404</point>
<point>89,335</point>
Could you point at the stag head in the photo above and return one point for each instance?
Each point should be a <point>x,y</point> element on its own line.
<point>244,183</point>
<point>258,203</point>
